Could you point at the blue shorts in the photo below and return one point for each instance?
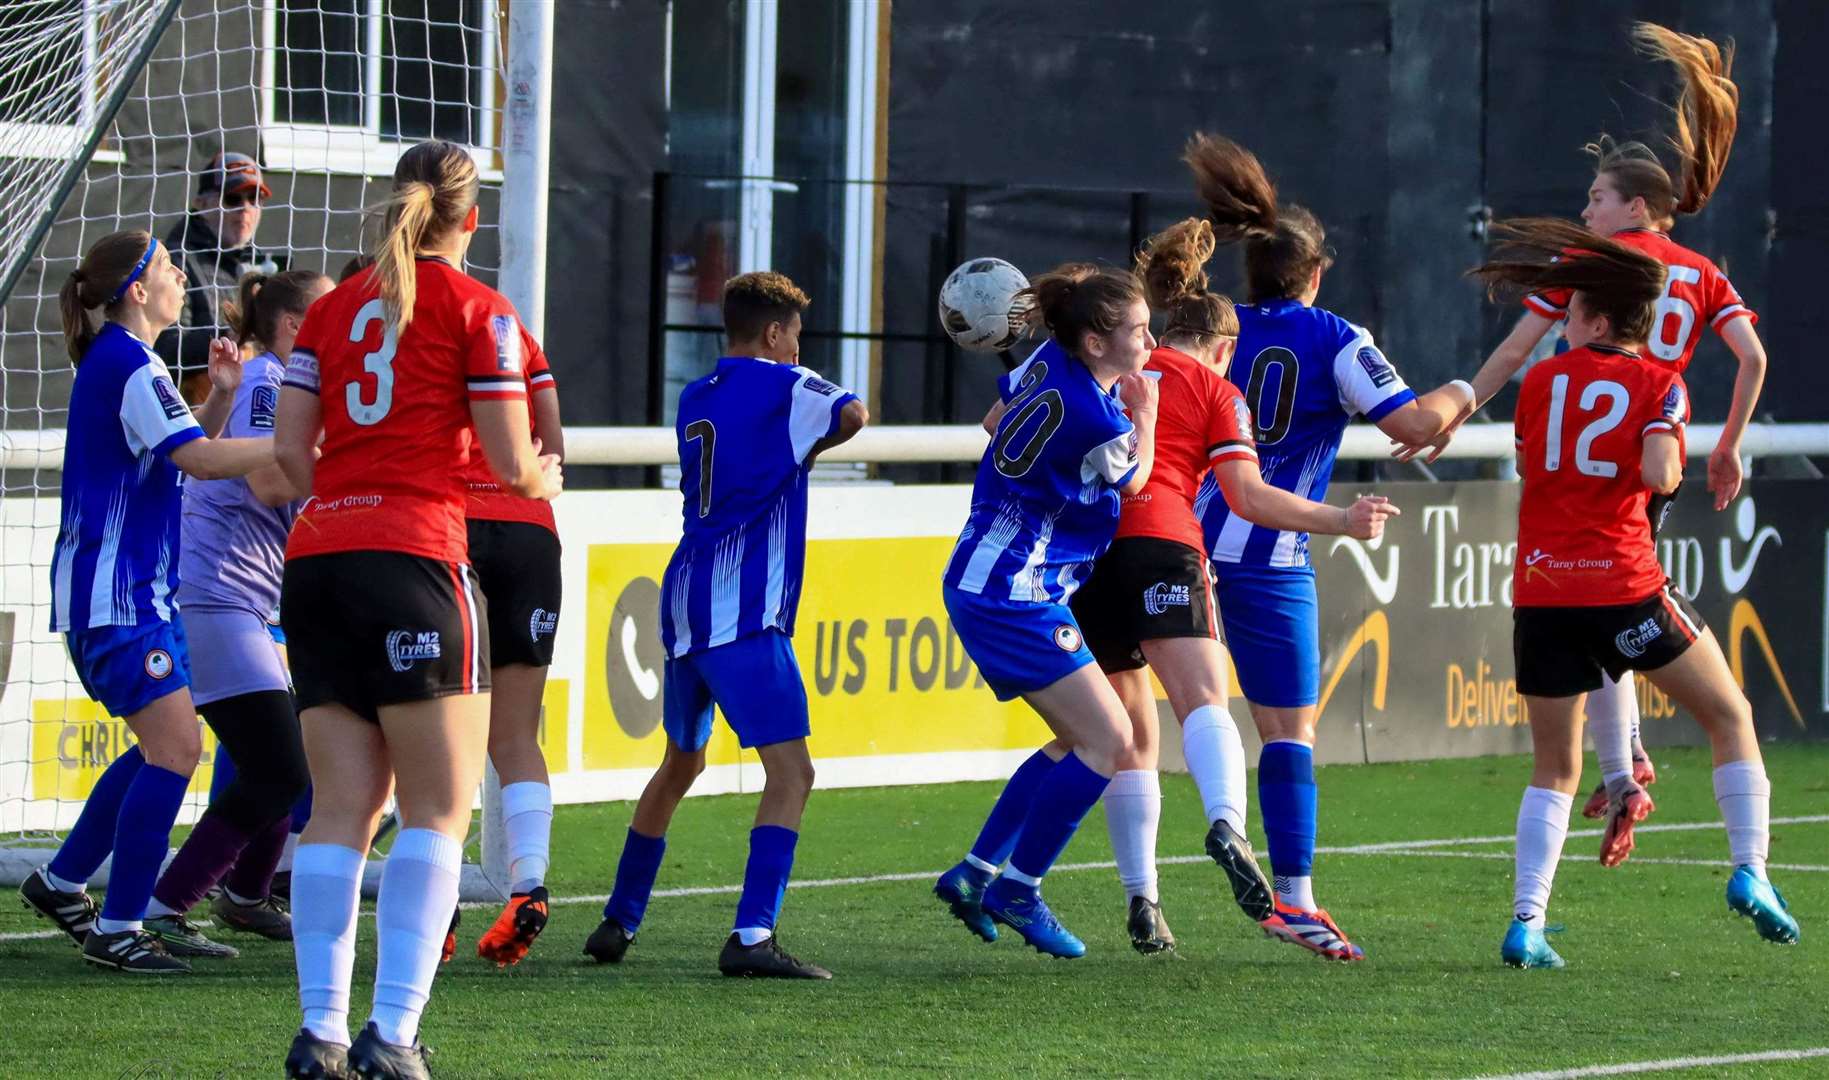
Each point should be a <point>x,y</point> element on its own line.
<point>1272,631</point>
<point>755,680</point>
<point>1018,648</point>
<point>127,668</point>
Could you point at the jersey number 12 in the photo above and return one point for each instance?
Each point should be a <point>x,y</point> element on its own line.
<point>1617,400</point>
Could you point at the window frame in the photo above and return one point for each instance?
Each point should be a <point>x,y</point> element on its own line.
<point>352,150</point>
<point>27,139</point>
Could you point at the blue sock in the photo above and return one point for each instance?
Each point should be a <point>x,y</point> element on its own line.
<point>141,839</point>
<point>635,874</point>
<point>1064,797</point>
<point>93,835</point>
<point>771,858</point>
<point>998,837</point>
<point>1286,795</point>
<point>222,772</point>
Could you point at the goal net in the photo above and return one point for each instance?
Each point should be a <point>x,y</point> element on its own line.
<point>111,112</point>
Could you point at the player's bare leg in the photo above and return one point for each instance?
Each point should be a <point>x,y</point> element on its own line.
<point>1543,826</point>
<point>643,847</point>
<point>1193,673</point>
<point>753,948</point>
<point>527,813</point>
<point>1133,813</point>
<point>1701,683</point>
<point>1288,798</point>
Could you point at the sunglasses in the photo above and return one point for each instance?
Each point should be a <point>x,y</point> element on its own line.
<point>238,200</point>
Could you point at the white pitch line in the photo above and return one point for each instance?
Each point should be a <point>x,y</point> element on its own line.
<point>1398,847</point>
<point>1667,1065</point>
<point>1680,826</point>
<point>1720,864</point>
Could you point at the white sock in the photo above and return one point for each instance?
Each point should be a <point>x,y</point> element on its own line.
<point>412,914</point>
<point>326,885</point>
<point>58,883</point>
<point>1216,761</point>
<point>1543,825</point>
<point>1612,722</point>
<point>1133,811</point>
<point>1021,878</point>
<point>237,898</point>
<point>1745,797</point>
<point>982,865</point>
<point>754,935</point>
<point>118,926</point>
<point>155,909</point>
<point>527,819</point>
<point>1296,892</point>
<point>287,855</point>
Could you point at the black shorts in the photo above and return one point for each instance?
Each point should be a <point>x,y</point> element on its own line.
<point>1144,589</point>
<point>1561,651</point>
<point>371,628</point>
<point>517,565</point>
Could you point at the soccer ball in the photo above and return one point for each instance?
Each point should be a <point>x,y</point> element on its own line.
<point>979,306</point>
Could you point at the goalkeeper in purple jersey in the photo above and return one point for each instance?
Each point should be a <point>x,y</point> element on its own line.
<point>231,557</point>
<point>1044,507</point>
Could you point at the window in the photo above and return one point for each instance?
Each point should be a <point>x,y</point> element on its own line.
<point>348,84</point>
<point>50,76</point>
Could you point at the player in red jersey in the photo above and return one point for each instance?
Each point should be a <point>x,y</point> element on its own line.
<point>514,552</point>
<point>405,371</point>
<point>1635,200</point>
<point>1150,601</point>
<point>1600,439</point>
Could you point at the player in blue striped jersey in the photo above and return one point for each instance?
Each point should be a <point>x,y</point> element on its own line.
<point>1044,507</point>
<point>112,577</point>
<point>1306,373</point>
<point>748,434</point>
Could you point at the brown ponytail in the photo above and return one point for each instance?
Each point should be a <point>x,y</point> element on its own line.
<point>1707,117</point>
<point>1076,299</point>
<point>435,185</point>
<point>1537,254</point>
<point>110,261</point>
<point>263,298</point>
<point>1172,267</point>
<point>1284,245</point>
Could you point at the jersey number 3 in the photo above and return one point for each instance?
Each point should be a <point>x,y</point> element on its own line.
<point>379,363</point>
<point>1617,400</point>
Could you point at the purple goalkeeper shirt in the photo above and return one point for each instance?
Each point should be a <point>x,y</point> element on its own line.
<point>233,547</point>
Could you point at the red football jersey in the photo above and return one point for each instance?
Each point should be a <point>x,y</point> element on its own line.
<point>488,501</point>
<point>1584,536</point>
<point>396,413</point>
<point>1201,419</point>
<point>1695,293</point>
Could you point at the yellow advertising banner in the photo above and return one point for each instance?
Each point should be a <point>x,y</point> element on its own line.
<point>884,671</point>
<point>74,740</point>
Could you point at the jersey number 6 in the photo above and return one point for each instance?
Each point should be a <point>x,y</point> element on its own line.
<point>379,363</point>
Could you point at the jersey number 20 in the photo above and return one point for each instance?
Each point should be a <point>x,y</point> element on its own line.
<point>379,363</point>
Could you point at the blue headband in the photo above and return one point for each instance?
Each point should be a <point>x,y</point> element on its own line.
<point>138,269</point>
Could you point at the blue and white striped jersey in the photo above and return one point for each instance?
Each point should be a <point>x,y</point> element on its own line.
<point>116,562</point>
<point>744,435</point>
<point>1305,373</point>
<point>1045,504</point>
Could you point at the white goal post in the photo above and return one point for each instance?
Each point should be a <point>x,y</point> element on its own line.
<point>110,111</point>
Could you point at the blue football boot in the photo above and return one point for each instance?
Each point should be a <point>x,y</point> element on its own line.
<point>1758,899</point>
<point>962,890</point>
<point>1526,947</point>
<point>1022,909</point>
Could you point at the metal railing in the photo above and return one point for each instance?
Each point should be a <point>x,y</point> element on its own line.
<point>950,443</point>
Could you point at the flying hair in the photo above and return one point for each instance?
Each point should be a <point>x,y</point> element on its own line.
<point>1283,243</point>
<point>1540,254</point>
<point>1172,267</point>
<point>1707,115</point>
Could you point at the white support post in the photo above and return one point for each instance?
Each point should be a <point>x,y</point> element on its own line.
<point>526,146</point>
<point>756,192</point>
<point>860,196</point>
